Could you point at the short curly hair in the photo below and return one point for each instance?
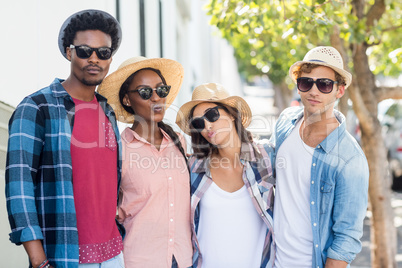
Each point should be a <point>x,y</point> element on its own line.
<point>91,21</point>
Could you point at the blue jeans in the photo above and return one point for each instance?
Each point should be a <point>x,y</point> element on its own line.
<point>174,262</point>
<point>115,262</point>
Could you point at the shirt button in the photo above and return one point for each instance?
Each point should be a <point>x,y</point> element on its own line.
<point>262,214</point>
<point>170,178</point>
<point>319,146</point>
<point>312,202</point>
<point>171,220</point>
<point>313,164</point>
<point>171,204</point>
<point>322,188</point>
<point>316,246</point>
<point>315,224</point>
<point>171,240</point>
<point>312,182</point>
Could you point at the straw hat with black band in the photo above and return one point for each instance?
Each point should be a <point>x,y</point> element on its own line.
<point>324,56</point>
<point>212,92</point>
<point>171,70</point>
<point>106,15</point>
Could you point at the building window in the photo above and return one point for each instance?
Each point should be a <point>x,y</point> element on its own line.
<point>160,29</point>
<point>142,28</point>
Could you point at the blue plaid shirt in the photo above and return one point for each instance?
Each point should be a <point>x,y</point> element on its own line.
<point>39,186</point>
<point>259,180</point>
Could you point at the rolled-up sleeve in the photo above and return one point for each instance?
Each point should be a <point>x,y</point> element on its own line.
<point>350,206</point>
<point>25,143</point>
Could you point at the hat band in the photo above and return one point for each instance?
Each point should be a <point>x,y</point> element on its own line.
<point>318,61</point>
<point>321,61</point>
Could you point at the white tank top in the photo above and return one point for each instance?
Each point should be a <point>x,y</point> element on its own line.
<point>230,232</point>
<point>292,223</point>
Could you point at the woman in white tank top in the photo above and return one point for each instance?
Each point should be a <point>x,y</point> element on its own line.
<point>231,182</point>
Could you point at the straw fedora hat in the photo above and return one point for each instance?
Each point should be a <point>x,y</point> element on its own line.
<point>171,70</point>
<point>212,92</point>
<point>325,56</point>
<point>91,12</point>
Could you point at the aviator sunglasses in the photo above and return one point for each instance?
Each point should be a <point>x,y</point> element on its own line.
<point>211,114</point>
<point>84,52</point>
<point>324,85</point>
<point>146,92</point>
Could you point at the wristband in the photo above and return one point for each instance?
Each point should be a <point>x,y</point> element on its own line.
<point>44,264</point>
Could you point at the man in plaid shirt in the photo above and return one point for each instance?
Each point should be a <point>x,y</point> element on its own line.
<point>63,160</point>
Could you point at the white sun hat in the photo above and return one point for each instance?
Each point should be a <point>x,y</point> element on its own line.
<point>216,93</point>
<point>325,56</point>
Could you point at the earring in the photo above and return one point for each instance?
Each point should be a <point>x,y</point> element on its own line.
<point>127,104</point>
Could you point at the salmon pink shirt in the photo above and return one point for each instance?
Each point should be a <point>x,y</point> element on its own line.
<point>155,203</point>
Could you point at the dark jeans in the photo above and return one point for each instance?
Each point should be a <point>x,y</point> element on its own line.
<point>174,262</point>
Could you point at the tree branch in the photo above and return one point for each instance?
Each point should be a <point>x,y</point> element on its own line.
<point>383,93</point>
<point>392,28</point>
<point>358,8</point>
<point>373,44</point>
<point>375,13</point>
<point>359,107</point>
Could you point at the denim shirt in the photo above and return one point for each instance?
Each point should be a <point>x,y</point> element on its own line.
<point>338,191</point>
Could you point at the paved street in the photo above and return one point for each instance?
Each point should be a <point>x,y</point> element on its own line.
<point>363,259</point>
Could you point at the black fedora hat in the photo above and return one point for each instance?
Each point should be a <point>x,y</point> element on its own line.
<point>90,11</point>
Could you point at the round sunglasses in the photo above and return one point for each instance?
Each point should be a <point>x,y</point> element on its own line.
<point>324,85</point>
<point>146,92</point>
<point>211,114</point>
<point>84,52</point>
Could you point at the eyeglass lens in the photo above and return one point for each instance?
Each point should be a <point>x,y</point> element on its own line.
<point>211,115</point>
<point>324,85</point>
<point>161,91</point>
<point>84,52</point>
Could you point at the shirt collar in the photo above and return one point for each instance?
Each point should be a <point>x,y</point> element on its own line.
<point>332,139</point>
<point>59,91</point>
<point>248,153</point>
<point>129,135</point>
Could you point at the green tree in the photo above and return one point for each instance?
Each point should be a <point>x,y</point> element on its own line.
<point>269,36</point>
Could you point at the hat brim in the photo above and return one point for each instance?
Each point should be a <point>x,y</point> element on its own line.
<point>234,101</point>
<point>345,74</point>
<point>171,70</point>
<point>68,20</point>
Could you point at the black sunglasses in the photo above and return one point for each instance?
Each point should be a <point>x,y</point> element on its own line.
<point>146,92</point>
<point>211,114</point>
<point>324,85</point>
<point>84,52</point>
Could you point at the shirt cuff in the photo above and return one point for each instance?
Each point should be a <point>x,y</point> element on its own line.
<point>347,257</point>
<point>27,234</point>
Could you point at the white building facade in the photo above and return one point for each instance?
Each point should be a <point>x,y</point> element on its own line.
<point>175,29</point>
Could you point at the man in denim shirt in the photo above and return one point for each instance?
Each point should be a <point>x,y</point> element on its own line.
<point>322,173</point>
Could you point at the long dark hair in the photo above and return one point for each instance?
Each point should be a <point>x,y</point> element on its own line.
<point>165,127</point>
<point>202,148</point>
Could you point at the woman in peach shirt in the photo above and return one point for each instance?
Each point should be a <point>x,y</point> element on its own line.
<point>155,190</point>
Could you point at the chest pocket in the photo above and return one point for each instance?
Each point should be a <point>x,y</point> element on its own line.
<point>326,190</point>
<point>110,138</point>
